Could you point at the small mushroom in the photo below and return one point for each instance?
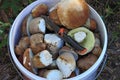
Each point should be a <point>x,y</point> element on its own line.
<point>89,40</point>
<point>39,10</point>
<point>36,39</point>
<point>97,48</point>
<point>24,26</point>
<point>91,24</point>
<point>54,43</point>
<point>42,59</point>
<point>26,60</point>
<point>37,25</point>
<point>22,45</point>
<point>69,50</point>
<point>27,56</point>
<point>97,42</point>
<point>97,51</point>
<point>66,64</point>
<point>29,19</point>
<point>86,62</point>
<point>37,47</point>
<point>51,74</point>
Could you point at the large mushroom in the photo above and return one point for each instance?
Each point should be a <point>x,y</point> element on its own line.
<point>73,13</point>
<point>85,39</point>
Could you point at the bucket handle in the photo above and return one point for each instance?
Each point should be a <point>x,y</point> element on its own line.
<point>102,66</point>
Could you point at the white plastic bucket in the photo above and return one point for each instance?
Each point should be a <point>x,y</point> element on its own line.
<point>15,32</point>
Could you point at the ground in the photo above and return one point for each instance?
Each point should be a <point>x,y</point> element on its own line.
<point>109,10</point>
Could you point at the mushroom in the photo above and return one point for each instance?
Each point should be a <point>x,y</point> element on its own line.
<point>29,19</point>
<point>73,13</point>
<point>66,64</point>
<point>38,47</point>
<point>22,45</point>
<point>26,60</point>
<point>24,26</point>
<point>97,51</point>
<point>97,48</point>
<point>54,43</point>
<point>42,59</point>
<point>51,74</point>
<point>54,17</point>
<point>39,10</point>
<point>88,41</point>
<point>37,25</point>
<point>91,24</point>
<point>86,62</point>
<point>27,56</point>
<point>69,50</point>
<point>36,39</point>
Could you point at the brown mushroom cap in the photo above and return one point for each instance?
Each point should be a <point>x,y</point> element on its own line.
<point>22,45</point>
<point>86,62</point>
<point>38,47</point>
<point>39,10</point>
<point>53,15</point>
<point>26,60</point>
<point>73,13</point>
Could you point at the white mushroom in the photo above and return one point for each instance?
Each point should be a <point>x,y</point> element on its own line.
<point>42,59</point>
<point>66,64</point>
<point>37,25</point>
<point>53,41</point>
<point>51,74</point>
<point>54,75</point>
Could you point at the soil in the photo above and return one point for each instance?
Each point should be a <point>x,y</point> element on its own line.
<point>111,19</point>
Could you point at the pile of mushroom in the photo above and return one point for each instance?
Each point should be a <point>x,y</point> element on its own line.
<point>44,53</point>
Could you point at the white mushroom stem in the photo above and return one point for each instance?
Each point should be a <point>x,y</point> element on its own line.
<point>45,58</point>
<point>53,75</point>
<point>42,25</point>
<point>66,63</point>
<point>79,36</point>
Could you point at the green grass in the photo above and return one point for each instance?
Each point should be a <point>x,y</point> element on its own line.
<point>12,9</point>
<point>3,35</point>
